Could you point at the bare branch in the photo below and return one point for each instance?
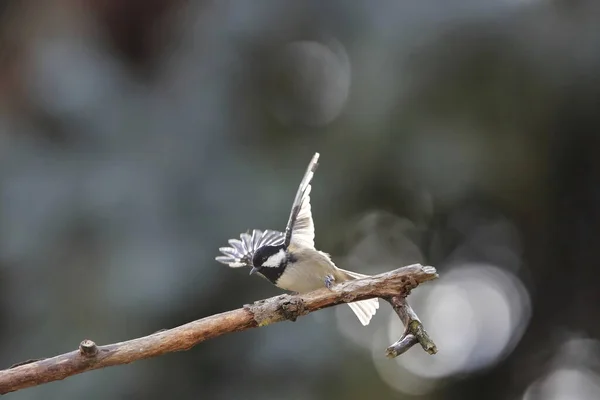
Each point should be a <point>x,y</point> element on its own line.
<point>413,330</point>
<point>390,285</point>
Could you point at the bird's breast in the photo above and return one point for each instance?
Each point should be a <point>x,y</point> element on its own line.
<point>308,274</point>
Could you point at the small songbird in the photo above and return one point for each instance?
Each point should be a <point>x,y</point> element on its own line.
<point>289,260</point>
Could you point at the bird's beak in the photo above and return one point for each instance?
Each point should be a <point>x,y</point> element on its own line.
<point>253,270</point>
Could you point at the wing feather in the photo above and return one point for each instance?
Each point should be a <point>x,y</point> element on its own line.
<point>300,229</point>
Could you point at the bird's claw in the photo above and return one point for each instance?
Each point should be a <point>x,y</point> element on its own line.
<point>329,280</point>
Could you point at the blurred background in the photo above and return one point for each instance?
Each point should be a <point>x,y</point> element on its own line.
<point>137,136</point>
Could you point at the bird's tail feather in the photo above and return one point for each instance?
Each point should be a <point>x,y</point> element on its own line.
<point>354,275</point>
<point>364,309</point>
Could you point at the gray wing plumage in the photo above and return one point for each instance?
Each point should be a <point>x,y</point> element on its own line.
<point>242,251</point>
<point>300,229</point>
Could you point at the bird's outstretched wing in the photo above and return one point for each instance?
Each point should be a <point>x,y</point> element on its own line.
<point>299,232</point>
<point>300,229</point>
<point>242,251</point>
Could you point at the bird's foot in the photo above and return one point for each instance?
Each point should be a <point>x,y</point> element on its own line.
<point>329,280</point>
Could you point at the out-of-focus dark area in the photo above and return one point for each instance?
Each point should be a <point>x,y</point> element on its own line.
<point>136,137</point>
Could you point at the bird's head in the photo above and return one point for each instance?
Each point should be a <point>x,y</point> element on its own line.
<point>269,260</point>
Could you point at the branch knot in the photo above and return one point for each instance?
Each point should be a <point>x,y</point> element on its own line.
<point>292,309</point>
<point>88,348</point>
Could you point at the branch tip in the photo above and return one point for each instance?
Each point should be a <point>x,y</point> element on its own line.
<point>401,346</point>
<point>429,270</point>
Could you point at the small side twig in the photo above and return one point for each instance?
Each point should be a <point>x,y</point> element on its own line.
<point>393,285</point>
<point>413,330</point>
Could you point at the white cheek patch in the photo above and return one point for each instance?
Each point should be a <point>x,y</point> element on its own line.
<point>275,260</point>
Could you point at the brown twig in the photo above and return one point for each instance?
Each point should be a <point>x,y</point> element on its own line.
<point>390,285</point>
<point>413,330</point>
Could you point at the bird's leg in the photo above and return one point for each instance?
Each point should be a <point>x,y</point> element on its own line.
<point>329,280</point>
